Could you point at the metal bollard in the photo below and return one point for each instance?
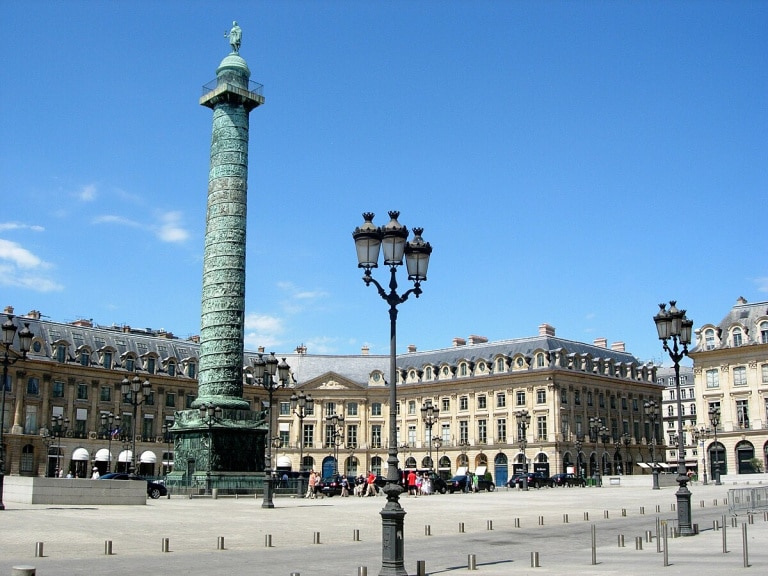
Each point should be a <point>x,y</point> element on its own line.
<point>734,522</point>
<point>701,504</point>
<point>23,571</point>
<point>215,493</point>
<point>750,518</point>
<point>535,560</point>
<point>642,509</point>
<point>621,540</point>
<point>660,524</point>
<point>427,530</point>
<point>316,538</point>
<point>220,543</point>
<point>715,502</point>
<point>517,522</point>
<point>648,536</point>
<point>362,571</point>
<point>565,518</point>
<point>725,536</point>
<point>541,520</point>
<point>586,516</point>
<point>673,507</point>
<point>638,542</point>
<point>165,544</point>
<point>107,547</point>
<point>605,514</point>
<point>421,568</point>
<point>461,526</point>
<point>594,545</point>
<point>471,562</point>
<point>666,547</point>
<point>295,573</point>
<point>267,541</point>
<point>355,535</point>
<point>489,525</point>
<point>624,512</point>
<point>745,545</point>
<point>658,508</point>
<point>39,550</point>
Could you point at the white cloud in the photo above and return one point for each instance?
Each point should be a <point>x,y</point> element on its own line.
<point>112,219</point>
<point>263,330</point>
<point>21,268</point>
<point>762,284</point>
<point>87,193</point>
<point>170,229</point>
<point>5,226</point>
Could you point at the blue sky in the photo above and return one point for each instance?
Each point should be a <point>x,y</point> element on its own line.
<point>573,163</point>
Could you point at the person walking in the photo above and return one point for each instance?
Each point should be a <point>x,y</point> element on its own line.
<point>312,482</point>
<point>371,491</point>
<point>344,486</point>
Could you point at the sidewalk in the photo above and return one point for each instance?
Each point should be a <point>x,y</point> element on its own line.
<point>74,538</point>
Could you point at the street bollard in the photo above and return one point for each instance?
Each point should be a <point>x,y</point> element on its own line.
<point>734,522</point>
<point>427,530</point>
<point>295,573</point>
<point>220,543</point>
<point>164,544</point>
<point>355,535</point>
<point>594,545</point>
<point>471,562</point>
<point>107,547</point>
<point>362,571</point>
<point>267,541</point>
<point>461,527</point>
<point>624,512</point>
<point>621,540</point>
<point>23,571</point>
<point>750,518</point>
<point>666,547</point>
<point>660,526</point>
<point>638,542</point>
<point>701,504</point>
<point>715,502</point>
<point>39,550</point>
<point>316,538</point>
<point>605,514</point>
<point>673,507</point>
<point>541,520</point>
<point>648,536</point>
<point>517,522</point>
<point>489,525</point>
<point>535,560</point>
<point>421,568</point>
<point>642,509</point>
<point>586,516</point>
<point>725,541</point>
<point>565,518</point>
<point>658,508</point>
<point>745,545</point>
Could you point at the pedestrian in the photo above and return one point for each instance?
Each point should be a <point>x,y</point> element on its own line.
<point>411,483</point>
<point>475,483</point>
<point>311,488</point>
<point>95,474</point>
<point>344,486</point>
<point>371,491</point>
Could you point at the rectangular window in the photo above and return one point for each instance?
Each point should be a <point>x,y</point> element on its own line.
<point>501,431</point>
<point>463,403</point>
<point>148,427</point>
<point>541,396</point>
<point>501,400</point>
<point>285,408</point>
<point>106,360</point>
<point>33,386</point>
<point>30,420</point>
<point>445,434</point>
<point>82,391</point>
<point>613,402</point>
<point>171,369</point>
<point>446,405</point>
<point>589,399</point>
<point>713,380</point>
<point>565,427</point>
<point>740,376</point>
<point>105,394</point>
<point>411,407</point>
<point>170,399</point>
<point>188,400</point>
<point>742,413</point>
<point>564,396</point>
<point>329,436</point>
<point>130,364</point>
<point>412,435</point>
<point>520,398</point>
<point>151,365</point>
<point>376,436</point>
<point>482,403</point>
<point>376,409</point>
<point>58,389</point>
<point>463,431</point>
<point>623,402</point>
<point>352,408</point>
<point>192,370</point>
<point>577,397</point>
<point>601,400</point>
<point>541,427</point>
<point>308,438</point>
<point>352,436</point>
<point>482,431</point>
<point>330,408</point>
<point>715,405</point>
<point>764,373</point>
<point>285,438</point>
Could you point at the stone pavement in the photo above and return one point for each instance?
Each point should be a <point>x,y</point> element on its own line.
<point>74,537</point>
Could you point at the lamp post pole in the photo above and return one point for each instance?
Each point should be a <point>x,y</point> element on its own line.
<point>652,412</point>
<point>714,419</point>
<point>59,426</point>
<point>302,406</point>
<point>9,358</point>
<point>673,325</point>
<point>167,434</point>
<point>209,415</point>
<point>604,437</point>
<point>264,372</point>
<point>579,444</point>
<point>523,418</point>
<point>626,439</point>
<point>369,240</point>
<point>107,420</point>
<point>429,415</point>
<point>703,435</point>
<point>136,393</point>
<point>336,423</point>
<point>438,443</point>
<point>594,431</point>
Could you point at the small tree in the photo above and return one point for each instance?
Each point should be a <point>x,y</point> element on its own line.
<point>757,464</point>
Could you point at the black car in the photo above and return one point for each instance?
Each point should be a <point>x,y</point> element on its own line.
<point>512,483</point>
<point>331,486</point>
<point>535,480</point>
<point>154,489</point>
<point>565,479</point>
<point>459,483</point>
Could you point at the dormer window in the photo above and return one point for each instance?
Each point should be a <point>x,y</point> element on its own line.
<point>709,339</point>
<point>463,369</point>
<point>428,373</point>
<point>171,368</point>
<point>151,365</point>
<point>85,358</point>
<point>192,370</point>
<point>736,336</point>
<point>106,360</point>
<point>61,353</point>
<point>130,364</point>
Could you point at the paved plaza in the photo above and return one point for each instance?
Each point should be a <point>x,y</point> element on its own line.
<point>336,536</point>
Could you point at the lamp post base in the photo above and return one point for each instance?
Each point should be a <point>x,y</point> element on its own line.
<point>683,496</point>
<point>392,534</point>
<point>656,480</point>
<point>267,502</point>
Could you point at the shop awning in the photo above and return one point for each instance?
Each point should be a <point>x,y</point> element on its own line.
<point>81,454</point>
<point>148,457</point>
<point>103,455</point>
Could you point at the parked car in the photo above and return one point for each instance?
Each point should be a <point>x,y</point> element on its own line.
<point>458,484</point>
<point>331,486</point>
<point>154,489</point>
<point>512,482</point>
<point>438,484</point>
<point>565,479</point>
<point>535,480</point>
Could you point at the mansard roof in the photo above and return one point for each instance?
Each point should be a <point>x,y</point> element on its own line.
<point>743,314</point>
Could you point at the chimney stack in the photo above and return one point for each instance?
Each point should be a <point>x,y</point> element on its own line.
<point>618,347</point>
<point>458,342</point>
<point>601,342</point>
<point>546,330</point>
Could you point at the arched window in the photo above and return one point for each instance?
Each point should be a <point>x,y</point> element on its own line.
<point>709,339</point>
<point>736,336</point>
<point>764,332</point>
<point>500,364</point>
<point>540,360</point>
<point>428,373</point>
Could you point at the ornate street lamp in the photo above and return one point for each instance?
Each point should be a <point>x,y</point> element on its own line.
<point>523,419</point>
<point>264,372</point>
<point>652,412</point>
<point>714,420</point>
<point>302,406</point>
<point>9,358</point>
<point>673,324</point>
<point>594,435</point>
<point>107,420</point>
<point>168,437</point>
<point>700,436</point>
<point>626,440</point>
<point>429,415</point>
<point>135,392</point>
<point>59,426</point>
<point>604,437</point>
<point>369,240</point>
<point>209,415</point>
<point>336,426</point>
<point>579,444</point>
